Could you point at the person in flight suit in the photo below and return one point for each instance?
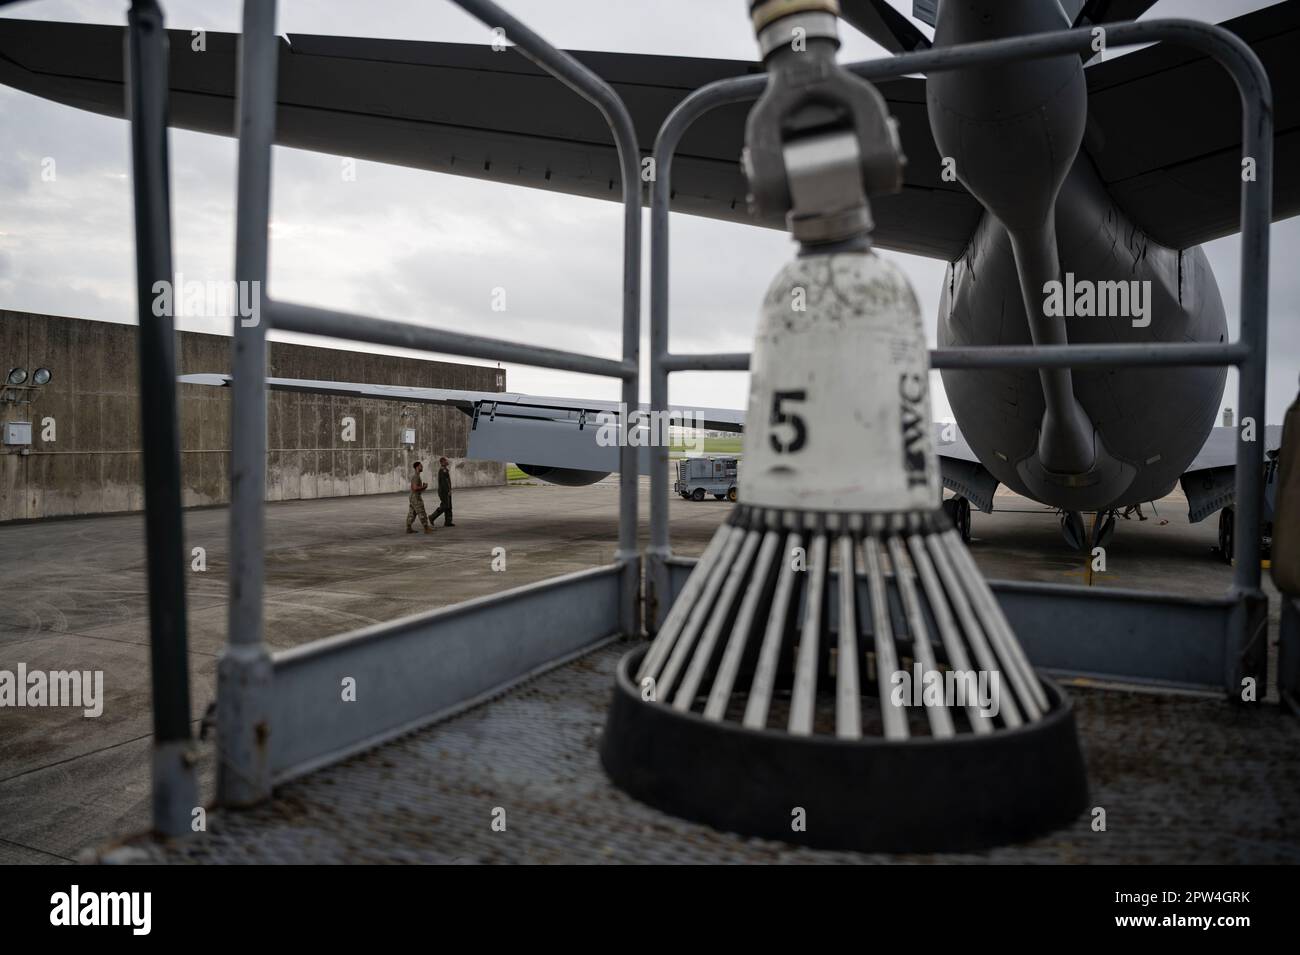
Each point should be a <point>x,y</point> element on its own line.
<point>417,502</point>
<point>444,493</point>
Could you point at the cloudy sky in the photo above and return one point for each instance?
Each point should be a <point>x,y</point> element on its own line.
<point>423,247</point>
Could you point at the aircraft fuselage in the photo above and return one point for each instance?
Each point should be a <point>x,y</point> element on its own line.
<point>1055,261</point>
<point>1153,419</point>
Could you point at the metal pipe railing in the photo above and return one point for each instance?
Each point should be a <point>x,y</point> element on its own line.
<point>285,316</point>
<point>1019,356</point>
<point>1249,352</point>
<point>246,671</point>
<point>175,787</point>
<point>600,94</point>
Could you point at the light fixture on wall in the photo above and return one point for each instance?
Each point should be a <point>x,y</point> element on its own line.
<point>18,389</point>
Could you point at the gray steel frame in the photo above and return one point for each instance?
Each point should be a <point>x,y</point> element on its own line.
<point>280,715</point>
<point>1219,642</point>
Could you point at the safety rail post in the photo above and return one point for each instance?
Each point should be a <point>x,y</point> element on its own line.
<point>174,786</point>
<point>1248,660</point>
<point>721,93</point>
<point>599,93</point>
<point>244,673</point>
<point>1246,655</point>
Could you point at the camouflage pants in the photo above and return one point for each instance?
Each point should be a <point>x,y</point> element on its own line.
<point>416,510</point>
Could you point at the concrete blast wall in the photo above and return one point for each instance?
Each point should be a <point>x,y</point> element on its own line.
<point>93,464</point>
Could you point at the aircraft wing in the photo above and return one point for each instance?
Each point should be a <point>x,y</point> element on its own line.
<point>566,434</point>
<point>570,440</point>
<point>960,469</point>
<point>715,419</point>
<point>1210,480</point>
<point>1164,131</point>
<point>1220,448</point>
<point>467,110</point>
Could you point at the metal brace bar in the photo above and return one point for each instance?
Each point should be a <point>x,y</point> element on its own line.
<point>310,320</point>
<point>1017,356</point>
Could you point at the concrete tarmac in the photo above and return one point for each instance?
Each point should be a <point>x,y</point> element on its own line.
<point>74,596</point>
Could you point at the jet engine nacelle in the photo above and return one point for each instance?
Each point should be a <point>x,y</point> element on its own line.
<point>565,477</point>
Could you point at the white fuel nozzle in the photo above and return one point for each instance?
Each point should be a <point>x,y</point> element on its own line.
<point>839,400</point>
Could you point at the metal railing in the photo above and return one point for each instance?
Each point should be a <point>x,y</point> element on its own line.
<point>278,715</point>
<point>1219,641</point>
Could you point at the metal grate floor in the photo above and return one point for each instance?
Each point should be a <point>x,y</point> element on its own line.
<point>1182,780</point>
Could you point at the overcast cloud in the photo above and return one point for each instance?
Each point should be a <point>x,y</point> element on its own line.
<point>425,247</point>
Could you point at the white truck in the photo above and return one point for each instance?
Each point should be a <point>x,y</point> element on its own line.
<point>697,477</point>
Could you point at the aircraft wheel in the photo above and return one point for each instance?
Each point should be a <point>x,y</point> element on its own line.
<point>731,494</point>
<point>1227,539</point>
<point>697,494</point>
<point>958,511</point>
<point>1072,529</point>
<point>1103,530</point>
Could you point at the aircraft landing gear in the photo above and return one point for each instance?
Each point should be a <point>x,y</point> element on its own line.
<point>1103,529</point>
<point>958,511</point>
<point>1072,529</point>
<point>1227,537</point>
<point>1076,533</point>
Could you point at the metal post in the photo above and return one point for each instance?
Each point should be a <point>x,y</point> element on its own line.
<point>244,673</point>
<point>658,587</point>
<point>599,93</point>
<point>175,792</point>
<point>1248,658</point>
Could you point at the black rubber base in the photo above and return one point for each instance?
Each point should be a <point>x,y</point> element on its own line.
<point>921,795</point>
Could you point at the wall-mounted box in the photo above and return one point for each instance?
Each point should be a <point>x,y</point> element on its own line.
<point>408,437</point>
<point>18,433</point>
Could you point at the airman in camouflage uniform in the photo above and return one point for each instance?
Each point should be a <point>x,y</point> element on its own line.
<point>417,502</point>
